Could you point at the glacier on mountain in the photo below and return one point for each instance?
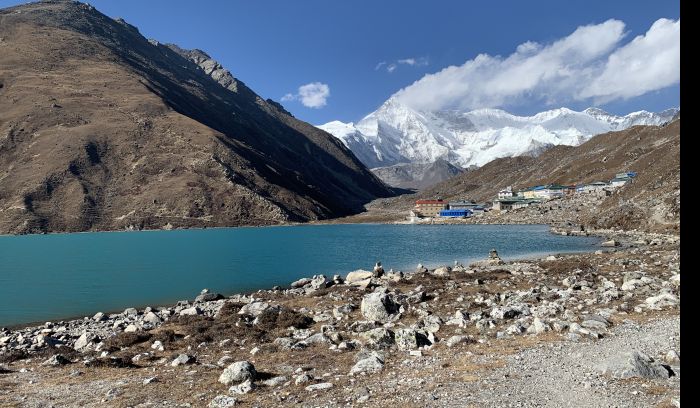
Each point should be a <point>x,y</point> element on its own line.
<point>396,133</point>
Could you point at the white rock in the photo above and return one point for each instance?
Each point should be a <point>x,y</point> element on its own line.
<point>319,386</point>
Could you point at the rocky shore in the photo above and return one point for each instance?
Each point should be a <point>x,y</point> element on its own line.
<point>594,329</point>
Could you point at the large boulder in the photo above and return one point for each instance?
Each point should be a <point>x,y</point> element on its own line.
<point>379,338</point>
<point>378,306</point>
<point>254,308</point>
<point>442,271</point>
<point>300,283</point>
<point>635,364</point>
<point>661,301</point>
<point>409,339</point>
<point>206,296</point>
<point>357,276</point>
<point>238,372</point>
<point>372,363</point>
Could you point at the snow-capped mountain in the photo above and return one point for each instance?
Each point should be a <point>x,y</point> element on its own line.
<point>395,133</point>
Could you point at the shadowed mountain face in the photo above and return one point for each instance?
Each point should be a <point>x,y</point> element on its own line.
<point>417,176</point>
<point>101,129</point>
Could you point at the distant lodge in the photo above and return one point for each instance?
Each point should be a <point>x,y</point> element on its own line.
<point>441,208</point>
<point>512,200</point>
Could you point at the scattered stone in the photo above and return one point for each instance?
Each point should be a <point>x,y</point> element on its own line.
<point>635,364</point>
<point>319,386</point>
<point>672,357</point>
<point>56,360</point>
<point>409,339</point>
<point>300,283</point>
<point>611,243</point>
<point>99,317</point>
<point>303,378</point>
<point>85,341</point>
<point>378,306</point>
<point>150,380</point>
<point>458,339</point>
<point>243,388</point>
<point>442,271</point>
<point>206,296</point>
<point>222,401</point>
<point>357,276</point>
<point>254,308</point>
<point>152,318</point>
<point>275,381</point>
<point>238,372</point>
<point>183,359</point>
<point>377,271</point>
<point>431,323</point>
<point>510,311</point>
<point>378,338</point>
<point>661,301</point>
<point>191,311</point>
<point>372,363</point>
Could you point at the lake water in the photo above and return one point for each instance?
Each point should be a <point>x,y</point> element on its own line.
<point>50,277</point>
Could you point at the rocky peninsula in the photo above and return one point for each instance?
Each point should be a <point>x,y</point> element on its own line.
<point>585,330</point>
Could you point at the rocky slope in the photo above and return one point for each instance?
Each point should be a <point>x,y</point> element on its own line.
<point>651,201</point>
<point>101,129</point>
<point>396,133</point>
<point>584,330</point>
<point>417,176</point>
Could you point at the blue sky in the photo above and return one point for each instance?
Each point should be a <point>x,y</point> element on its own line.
<point>277,46</point>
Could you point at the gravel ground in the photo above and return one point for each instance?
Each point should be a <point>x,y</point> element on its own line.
<point>568,374</point>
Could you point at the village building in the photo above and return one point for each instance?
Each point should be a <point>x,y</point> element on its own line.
<point>619,181</point>
<point>429,208</point>
<point>461,205</point>
<point>595,187</point>
<point>455,213</point>
<point>506,193</point>
<point>513,203</point>
<point>549,191</point>
<point>570,190</point>
<point>626,174</point>
<point>529,192</point>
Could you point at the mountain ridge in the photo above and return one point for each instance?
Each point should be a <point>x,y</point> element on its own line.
<point>395,133</point>
<point>102,129</point>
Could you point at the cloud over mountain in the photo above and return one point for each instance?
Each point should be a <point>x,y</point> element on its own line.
<point>592,63</point>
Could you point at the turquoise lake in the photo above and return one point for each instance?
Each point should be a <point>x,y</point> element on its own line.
<point>58,276</point>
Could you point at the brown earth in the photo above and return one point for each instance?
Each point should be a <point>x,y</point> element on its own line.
<point>101,129</point>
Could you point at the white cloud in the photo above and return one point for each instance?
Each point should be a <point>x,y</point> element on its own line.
<point>312,95</point>
<point>647,63</point>
<point>590,63</point>
<point>417,62</point>
<point>392,66</point>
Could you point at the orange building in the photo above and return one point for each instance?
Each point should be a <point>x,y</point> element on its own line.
<point>429,208</point>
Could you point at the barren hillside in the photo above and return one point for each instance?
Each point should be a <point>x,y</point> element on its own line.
<point>101,129</point>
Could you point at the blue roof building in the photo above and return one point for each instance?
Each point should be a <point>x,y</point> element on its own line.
<point>463,213</point>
